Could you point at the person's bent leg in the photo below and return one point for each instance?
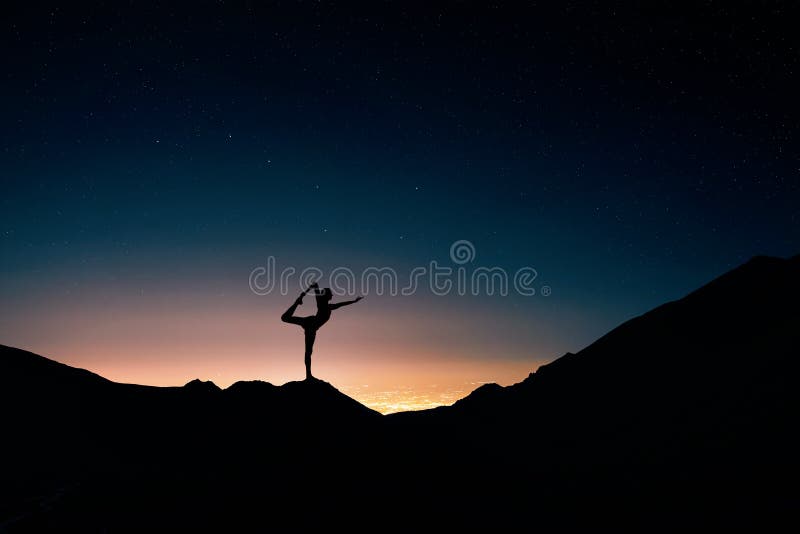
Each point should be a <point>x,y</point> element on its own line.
<point>288,315</point>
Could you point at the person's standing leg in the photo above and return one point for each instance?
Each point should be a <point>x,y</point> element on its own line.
<point>311,335</point>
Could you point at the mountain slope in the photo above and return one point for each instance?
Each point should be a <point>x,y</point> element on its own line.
<point>693,404</point>
<point>738,331</point>
<point>686,412</point>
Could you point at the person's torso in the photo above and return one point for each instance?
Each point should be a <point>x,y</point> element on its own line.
<point>322,317</point>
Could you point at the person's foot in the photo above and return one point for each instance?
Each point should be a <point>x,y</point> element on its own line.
<point>299,300</point>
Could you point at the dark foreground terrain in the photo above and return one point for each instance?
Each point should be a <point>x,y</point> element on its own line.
<point>683,417</point>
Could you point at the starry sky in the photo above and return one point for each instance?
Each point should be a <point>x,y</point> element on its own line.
<point>153,156</point>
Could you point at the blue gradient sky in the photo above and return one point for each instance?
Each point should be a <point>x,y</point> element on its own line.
<point>151,159</point>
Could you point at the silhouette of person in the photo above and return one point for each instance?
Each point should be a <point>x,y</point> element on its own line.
<point>313,323</point>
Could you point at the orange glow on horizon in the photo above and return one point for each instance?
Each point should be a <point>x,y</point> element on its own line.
<point>390,355</point>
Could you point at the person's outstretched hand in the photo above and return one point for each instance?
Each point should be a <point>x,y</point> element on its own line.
<point>359,298</point>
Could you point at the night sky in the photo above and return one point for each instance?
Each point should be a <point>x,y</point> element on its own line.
<point>153,157</point>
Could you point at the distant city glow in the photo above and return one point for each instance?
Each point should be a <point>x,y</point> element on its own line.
<point>407,398</point>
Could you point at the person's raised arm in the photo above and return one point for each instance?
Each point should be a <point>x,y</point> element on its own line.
<point>344,303</point>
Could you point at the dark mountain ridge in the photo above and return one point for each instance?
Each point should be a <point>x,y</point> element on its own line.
<point>685,411</point>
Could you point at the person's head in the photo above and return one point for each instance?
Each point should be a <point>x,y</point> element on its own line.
<point>324,295</point>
